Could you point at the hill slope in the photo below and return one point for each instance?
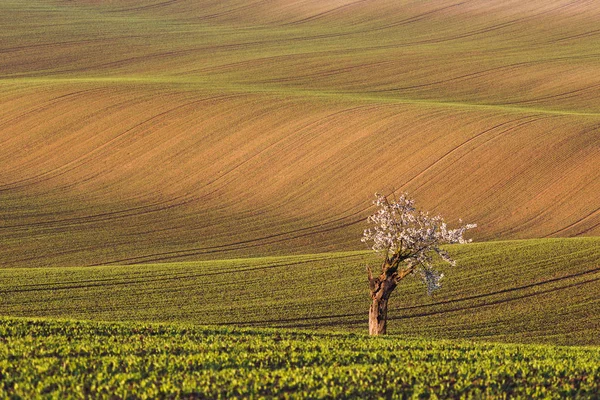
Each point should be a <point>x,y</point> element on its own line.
<point>135,131</point>
<point>514,291</point>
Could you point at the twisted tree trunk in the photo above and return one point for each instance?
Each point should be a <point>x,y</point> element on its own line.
<point>381,287</point>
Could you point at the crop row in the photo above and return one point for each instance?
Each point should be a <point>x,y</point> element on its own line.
<point>525,291</point>
<point>88,359</point>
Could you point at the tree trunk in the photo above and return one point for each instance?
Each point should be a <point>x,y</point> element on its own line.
<point>381,288</point>
<point>378,317</point>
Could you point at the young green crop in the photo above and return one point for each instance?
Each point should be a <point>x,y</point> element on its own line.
<point>535,291</point>
<point>58,359</point>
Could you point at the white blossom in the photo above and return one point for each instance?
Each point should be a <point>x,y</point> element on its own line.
<point>431,278</point>
<point>404,234</point>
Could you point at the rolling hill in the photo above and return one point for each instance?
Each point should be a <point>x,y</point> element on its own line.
<point>184,185</point>
<point>136,132</point>
<point>528,291</point>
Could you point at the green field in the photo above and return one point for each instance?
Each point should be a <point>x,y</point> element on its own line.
<point>540,291</point>
<point>91,360</point>
<point>192,178</point>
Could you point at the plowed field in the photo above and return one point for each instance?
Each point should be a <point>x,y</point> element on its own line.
<point>136,131</point>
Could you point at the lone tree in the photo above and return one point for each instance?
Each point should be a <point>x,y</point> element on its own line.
<point>408,239</point>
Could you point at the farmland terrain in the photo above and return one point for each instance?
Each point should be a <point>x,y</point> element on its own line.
<point>65,359</point>
<point>529,291</point>
<point>137,131</point>
<point>184,185</point>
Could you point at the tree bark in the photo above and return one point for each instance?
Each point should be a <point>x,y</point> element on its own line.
<point>381,288</point>
<point>378,317</point>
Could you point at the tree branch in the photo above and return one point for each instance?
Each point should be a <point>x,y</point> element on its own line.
<point>404,272</point>
<point>373,282</point>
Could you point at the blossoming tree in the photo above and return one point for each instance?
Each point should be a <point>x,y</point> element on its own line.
<point>408,239</point>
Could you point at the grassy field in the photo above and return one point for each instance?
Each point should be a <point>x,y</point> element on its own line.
<point>531,291</point>
<point>99,360</point>
<point>136,131</point>
<point>192,177</point>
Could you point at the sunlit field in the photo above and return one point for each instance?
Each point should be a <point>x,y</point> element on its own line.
<point>142,132</point>
<point>133,360</point>
<point>531,291</point>
<point>184,185</point>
